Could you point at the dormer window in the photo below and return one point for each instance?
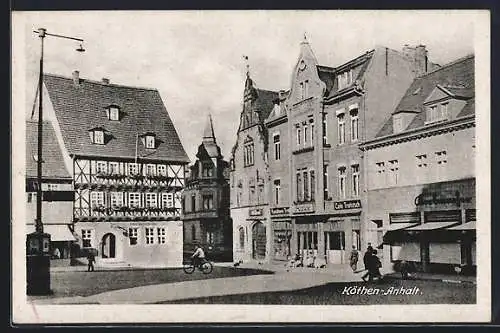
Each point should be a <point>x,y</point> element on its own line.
<point>150,141</point>
<point>113,112</point>
<point>437,112</point>
<point>97,135</point>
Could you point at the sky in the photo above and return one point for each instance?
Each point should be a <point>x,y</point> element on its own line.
<point>195,58</point>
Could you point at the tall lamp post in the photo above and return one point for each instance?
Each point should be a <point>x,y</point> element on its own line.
<point>38,242</point>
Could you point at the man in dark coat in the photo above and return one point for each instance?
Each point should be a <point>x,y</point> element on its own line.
<point>367,260</point>
<point>91,260</point>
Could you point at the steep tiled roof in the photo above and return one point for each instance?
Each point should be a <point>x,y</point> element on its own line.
<point>265,102</point>
<point>53,163</point>
<point>457,77</point>
<point>80,108</point>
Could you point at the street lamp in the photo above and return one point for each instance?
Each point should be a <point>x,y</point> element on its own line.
<point>38,242</point>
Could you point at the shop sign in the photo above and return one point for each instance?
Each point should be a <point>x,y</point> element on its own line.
<point>304,208</point>
<point>434,199</point>
<point>255,212</point>
<point>348,204</point>
<point>280,211</point>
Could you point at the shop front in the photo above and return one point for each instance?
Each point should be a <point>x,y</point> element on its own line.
<point>282,232</point>
<point>435,230</point>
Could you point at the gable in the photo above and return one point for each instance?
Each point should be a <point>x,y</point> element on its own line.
<point>437,94</point>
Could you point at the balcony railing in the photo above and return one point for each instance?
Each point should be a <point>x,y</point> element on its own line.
<point>127,213</point>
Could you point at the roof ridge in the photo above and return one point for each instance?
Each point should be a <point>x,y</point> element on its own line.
<point>454,62</point>
<point>101,83</point>
<point>353,59</point>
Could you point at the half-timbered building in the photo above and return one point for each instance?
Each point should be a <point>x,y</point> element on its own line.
<point>127,163</point>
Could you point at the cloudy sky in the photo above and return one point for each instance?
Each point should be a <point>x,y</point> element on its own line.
<point>195,59</point>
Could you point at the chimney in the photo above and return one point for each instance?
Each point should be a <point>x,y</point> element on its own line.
<point>76,78</point>
<point>105,80</point>
<point>418,57</point>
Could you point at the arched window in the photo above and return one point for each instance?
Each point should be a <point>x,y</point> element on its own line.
<point>242,237</point>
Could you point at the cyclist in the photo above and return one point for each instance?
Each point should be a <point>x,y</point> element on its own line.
<point>198,256</point>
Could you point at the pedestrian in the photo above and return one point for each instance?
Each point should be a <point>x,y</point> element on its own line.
<point>368,261</point>
<point>376,265</point>
<point>353,260</point>
<point>91,260</point>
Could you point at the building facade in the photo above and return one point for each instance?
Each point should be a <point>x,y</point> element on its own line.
<point>421,173</point>
<point>206,218</point>
<point>330,111</point>
<point>249,177</point>
<point>57,191</point>
<point>127,166</point>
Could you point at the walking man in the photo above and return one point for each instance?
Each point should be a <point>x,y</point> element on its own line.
<point>91,260</point>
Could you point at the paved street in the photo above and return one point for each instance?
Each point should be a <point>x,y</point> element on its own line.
<point>248,284</point>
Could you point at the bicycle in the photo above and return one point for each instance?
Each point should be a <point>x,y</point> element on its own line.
<point>205,267</point>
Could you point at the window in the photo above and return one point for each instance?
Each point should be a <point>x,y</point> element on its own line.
<point>210,237</point>
<point>150,235</point>
<point>277,147</point>
<point>277,191</point>
<point>299,136</point>
<point>114,168</point>
<point>162,239</point>
<point>305,134</point>
<point>151,200</point>
<point>342,177</point>
<point>133,168</point>
<point>134,199</point>
<point>133,235</point>
<point>208,170</point>
<point>306,185</point>
<point>341,128</point>
<point>167,200</point>
<point>354,125</point>
<point>380,169</point>
<point>193,202</point>
<point>421,161</point>
<point>97,199</point>
<point>151,170</point>
<point>325,182</point>
<point>241,232</point>
<point>98,137</point>
<point>355,180</point>
<point>304,89</point>
<point>437,112</point>
<point>208,202</point>
<point>150,141</point>
<point>248,151</point>
<point>441,161</point>
<point>86,238</point>
<point>101,167</point>
<point>394,171</point>
<point>312,133</point>
<point>116,199</point>
<point>162,170</point>
<point>325,133</point>
<point>312,183</point>
<point>52,187</point>
<point>344,79</point>
<point>299,187</point>
<point>113,113</point>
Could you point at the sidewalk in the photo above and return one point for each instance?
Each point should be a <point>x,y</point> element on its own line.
<point>447,278</point>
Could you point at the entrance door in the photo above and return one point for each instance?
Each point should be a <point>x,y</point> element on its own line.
<point>335,246</point>
<point>258,241</point>
<point>108,246</point>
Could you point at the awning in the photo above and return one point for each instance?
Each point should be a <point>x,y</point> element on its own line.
<point>466,226</point>
<point>399,226</point>
<point>431,226</point>
<point>58,232</point>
